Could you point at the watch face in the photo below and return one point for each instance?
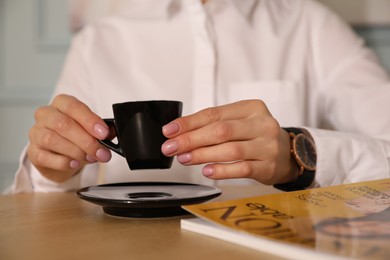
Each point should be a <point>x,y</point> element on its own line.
<point>305,152</point>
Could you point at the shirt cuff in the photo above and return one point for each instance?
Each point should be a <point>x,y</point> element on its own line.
<point>43,184</point>
<point>349,158</point>
<point>29,179</point>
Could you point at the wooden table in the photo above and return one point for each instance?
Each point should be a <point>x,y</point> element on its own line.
<point>62,226</point>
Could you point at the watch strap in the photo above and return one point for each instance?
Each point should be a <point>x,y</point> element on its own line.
<point>303,180</point>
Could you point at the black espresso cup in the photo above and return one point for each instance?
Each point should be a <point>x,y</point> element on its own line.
<point>138,127</point>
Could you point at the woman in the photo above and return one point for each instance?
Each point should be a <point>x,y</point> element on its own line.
<point>257,66</point>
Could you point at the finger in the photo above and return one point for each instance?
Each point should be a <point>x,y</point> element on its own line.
<point>238,110</point>
<point>53,166</point>
<point>46,159</point>
<point>265,130</point>
<point>262,171</point>
<point>81,113</point>
<point>49,140</point>
<point>231,151</point>
<point>66,127</point>
<point>216,133</point>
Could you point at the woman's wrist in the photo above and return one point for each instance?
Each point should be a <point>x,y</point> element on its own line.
<point>303,159</point>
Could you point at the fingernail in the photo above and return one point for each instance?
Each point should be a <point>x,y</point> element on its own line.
<point>101,130</point>
<point>184,158</point>
<point>171,128</point>
<point>74,164</point>
<point>103,155</point>
<point>90,158</point>
<point>169,147</point>
<point>207,171</point>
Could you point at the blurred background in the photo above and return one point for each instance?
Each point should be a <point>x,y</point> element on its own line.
<point>35,35</point>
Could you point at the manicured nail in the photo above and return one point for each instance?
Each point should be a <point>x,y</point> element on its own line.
<point>74,164</point>
<point>101,130</point>
<point>171,129</point>
<point>169,147</point>
<point>103,155</point>
<point>90,158</point>
<point>184,158</point>
<point>208,171</point>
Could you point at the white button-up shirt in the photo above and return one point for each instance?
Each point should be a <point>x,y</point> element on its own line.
<point>299,58</point>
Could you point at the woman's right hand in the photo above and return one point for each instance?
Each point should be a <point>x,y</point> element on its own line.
<point>64,138</point>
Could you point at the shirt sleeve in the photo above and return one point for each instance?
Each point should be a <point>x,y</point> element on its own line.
<point>347,158</point>
<point>354,91</point>
<point>28,179</point>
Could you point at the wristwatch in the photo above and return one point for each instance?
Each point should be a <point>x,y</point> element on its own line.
<point>303,150</point>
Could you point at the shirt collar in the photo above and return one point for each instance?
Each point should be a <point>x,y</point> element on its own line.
<point>166,8</point>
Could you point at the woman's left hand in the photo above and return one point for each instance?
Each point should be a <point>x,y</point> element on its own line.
<point>238,140</point>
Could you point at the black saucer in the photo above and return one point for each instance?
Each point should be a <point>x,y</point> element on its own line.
<point>147,199</point>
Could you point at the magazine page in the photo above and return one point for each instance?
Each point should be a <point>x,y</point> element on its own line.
<point>351,220</point>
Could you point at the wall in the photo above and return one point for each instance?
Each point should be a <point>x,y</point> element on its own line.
<point>362,12</point>
<point>371,19</point>
<point>34,38</point>
<point>33,41</point>
<point>378,38</point>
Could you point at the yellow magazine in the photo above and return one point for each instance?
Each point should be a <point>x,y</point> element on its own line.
<point>345,221</point>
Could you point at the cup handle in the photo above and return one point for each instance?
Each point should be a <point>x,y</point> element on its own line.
<point>107,142</point>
